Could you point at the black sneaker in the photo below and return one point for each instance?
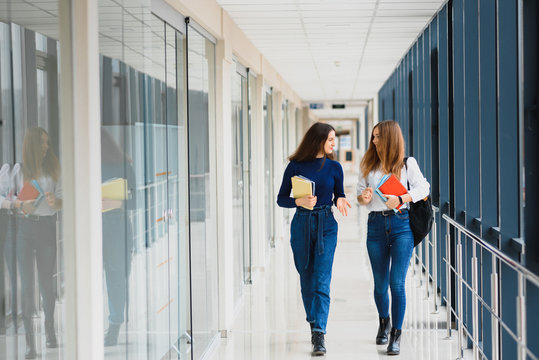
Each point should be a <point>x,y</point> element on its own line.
<point>319,346</point>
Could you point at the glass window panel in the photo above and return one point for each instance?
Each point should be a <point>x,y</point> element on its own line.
<point>32,317</point>
<point>268,166</point>
<point>201,65</point>
<point>238,84</point>
<point>145,240</point>
<point>180,326</point>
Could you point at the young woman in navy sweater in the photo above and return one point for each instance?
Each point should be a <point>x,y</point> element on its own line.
<point>313,233</point>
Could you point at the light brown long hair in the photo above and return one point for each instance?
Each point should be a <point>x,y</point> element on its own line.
<point>313,142</point>
<point>33,164</point>
<point>390,154</point>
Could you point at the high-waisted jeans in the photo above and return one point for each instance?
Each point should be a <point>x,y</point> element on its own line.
<point>36,243</point>
<point>390,243</point>
<point>313,240</point>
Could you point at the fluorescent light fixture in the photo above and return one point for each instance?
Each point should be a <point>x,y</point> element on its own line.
<point>338,25</point>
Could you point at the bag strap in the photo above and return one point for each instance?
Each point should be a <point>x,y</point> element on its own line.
<point>406,166</point>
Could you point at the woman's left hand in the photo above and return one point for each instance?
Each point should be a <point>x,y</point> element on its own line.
<point>392,201</point>
<point>51,199</point>
<point>341,205</point>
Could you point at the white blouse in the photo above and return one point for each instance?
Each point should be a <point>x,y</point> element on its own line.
<point>47,184</point>
<point>419,186</point>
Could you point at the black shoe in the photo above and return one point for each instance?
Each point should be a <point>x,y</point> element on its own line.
<point>394,347</point>
<point>111,337</point>
<point>319,346</point>
<point>383,331</point>
<point>50,335</point>
<point>312,332</point>
<point>30,346</point>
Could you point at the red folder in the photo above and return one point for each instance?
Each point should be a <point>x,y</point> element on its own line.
<point>28,192</point>
<point>392,186</point>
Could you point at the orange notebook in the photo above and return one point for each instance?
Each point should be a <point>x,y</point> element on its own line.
<point>28,192</point>
<point>390,185</point>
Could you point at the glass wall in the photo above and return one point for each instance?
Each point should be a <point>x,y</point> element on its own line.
<point>31,245</point>
<point>286,149</point>
<point>201,97</point>
<point>239,183</point>
<point>268,166</point>
<point>144,184</point>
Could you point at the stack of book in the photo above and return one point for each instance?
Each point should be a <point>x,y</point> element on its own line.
<point>390,185</point>
<point>301,187</point>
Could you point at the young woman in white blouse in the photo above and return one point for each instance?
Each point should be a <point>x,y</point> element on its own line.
<point>389,237</point>
<point>36,234</point>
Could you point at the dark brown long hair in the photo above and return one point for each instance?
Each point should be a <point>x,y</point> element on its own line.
<point>313,142</point>
<point>33,165</point>
<point>390,155</point>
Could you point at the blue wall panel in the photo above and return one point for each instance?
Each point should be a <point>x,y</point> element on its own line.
<point>420,91</point>
<point>458,110</point>
<point>471,115</point>
<point>488,115</point>
<point>508,156</point>
<point>443,132</point>
<point>489,168</point>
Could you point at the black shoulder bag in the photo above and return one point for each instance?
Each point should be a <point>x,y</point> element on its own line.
<point>421,215</point>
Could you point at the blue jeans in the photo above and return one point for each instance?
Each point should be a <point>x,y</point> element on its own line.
<point>117,254</point>
<point>313,240</point>
<point>390,243</point>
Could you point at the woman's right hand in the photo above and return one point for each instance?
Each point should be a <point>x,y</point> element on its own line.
<point>109,204</point>
<point>308,201</point>
<point>27,206</point>
<point>366,196</point>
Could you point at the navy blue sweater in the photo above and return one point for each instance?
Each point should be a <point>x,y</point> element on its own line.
<point>328,179</point>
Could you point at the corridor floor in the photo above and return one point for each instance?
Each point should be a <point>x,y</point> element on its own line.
<point>271,323</point>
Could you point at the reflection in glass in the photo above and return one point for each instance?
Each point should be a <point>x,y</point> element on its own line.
<point>239,183</point>
<point>201,65</point>
<point>268,166</point>
<point>38,201</point>
<point>144,147</point>
<point>118,200</point>
<point>31,250</point>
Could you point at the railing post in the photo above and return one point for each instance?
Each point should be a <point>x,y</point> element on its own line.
<point>420,261</point>
<point>427,265</point>
<point>521,317</point>
<point>448,278</point>
<point>475,310</point>
<point>493,316</point>
<point>435,265</point>
<point>460,313</point>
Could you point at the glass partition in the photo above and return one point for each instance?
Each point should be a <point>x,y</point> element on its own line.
<point>239,183</point>
<point>201,98</point>
<point>144,185</point>
<point>268,167</point>
<point>32,318</point>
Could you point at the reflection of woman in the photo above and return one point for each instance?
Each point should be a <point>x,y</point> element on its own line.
<point>8,187</point>
<point>36,235</point>
<point>389,238</point>
<point>313,233</point>
<point>117,235</point>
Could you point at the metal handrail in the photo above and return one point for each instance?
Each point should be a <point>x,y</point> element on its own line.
<point>515,265</point>
<point>463,285</point>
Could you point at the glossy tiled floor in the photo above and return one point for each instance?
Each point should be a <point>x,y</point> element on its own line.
<point>271,324</point>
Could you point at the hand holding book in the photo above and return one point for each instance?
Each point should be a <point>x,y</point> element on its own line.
<point>303,192</point>
<point>389,189</point>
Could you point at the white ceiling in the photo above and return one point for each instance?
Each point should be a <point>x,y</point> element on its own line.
<point>331,50</point>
